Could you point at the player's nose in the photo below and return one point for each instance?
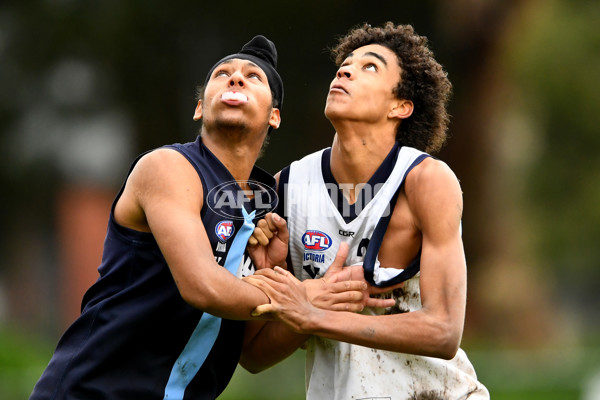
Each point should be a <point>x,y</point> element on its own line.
<point>344,72</point>
<point>236,78</point>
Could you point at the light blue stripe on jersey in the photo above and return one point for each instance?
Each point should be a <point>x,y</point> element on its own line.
<point>204,336</point>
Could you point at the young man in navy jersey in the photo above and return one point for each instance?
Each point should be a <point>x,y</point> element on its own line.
<point>398,210</point>
<point>165,318</point>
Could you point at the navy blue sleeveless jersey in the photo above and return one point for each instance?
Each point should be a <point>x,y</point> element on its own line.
<point>134,323</point>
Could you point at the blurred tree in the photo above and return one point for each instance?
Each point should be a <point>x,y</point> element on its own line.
<point>556,65</point>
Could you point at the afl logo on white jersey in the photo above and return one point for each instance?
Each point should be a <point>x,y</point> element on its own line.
<point>224,230</point>
<point>316,240</point>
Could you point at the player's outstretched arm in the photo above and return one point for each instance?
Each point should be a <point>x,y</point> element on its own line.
<point>163,195</point>
<point>341,289</point>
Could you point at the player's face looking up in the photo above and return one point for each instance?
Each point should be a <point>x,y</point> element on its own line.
<point>362,89</point>
<point>237,97</point>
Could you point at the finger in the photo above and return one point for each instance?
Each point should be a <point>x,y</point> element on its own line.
<point>263,309</point>
<point>266,229</point>
<point>252,241</point>
<point>352,296</point>
<point>286,273</point>
<point>380,303</point>
<point>277,275</point>
<point>269,221</point>
<point>256,280</point>
<point>281,227</point>
<point>285,277</point>
<point>265,273</point>
<point>340,259</point>
<point>260,236</point>
<point>351,307</point>
<point>345,286</point>
<point>382,290</point>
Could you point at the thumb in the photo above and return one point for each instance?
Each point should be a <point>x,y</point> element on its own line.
<point>262,309</point>
<point>338,263</point>
<point>282,230</point>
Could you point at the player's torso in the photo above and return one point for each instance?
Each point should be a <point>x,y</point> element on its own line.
<point>317,224</point>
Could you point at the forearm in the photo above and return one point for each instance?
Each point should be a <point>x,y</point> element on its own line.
<point>222,294</point>
<point>417,332</point>
<point>273,342</point>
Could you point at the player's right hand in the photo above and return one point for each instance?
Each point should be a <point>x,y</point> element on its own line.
<point>268,245</point>
<point>265,229</point>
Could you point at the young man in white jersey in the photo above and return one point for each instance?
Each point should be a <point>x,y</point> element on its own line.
<point>399,211</point>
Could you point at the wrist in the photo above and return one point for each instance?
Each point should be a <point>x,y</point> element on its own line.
<point>314,321</point>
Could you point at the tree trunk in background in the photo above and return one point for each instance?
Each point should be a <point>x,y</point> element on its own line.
<point>506,299</point>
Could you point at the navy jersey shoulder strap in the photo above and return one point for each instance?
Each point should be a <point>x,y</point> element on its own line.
<point>377,238</point>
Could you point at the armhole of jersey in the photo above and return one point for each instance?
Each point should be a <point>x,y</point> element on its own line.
<point>284,178</point>
<point>123,231</point>
<point>197,168</point>
<point>377,239</point>
<point>120,192</point>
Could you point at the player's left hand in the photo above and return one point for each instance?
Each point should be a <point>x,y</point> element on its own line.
<point>341,289</point>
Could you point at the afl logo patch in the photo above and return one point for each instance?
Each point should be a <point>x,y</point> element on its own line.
<point>316,240</point>
<point>224,230</point>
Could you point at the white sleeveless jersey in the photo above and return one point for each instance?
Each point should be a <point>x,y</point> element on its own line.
<point>337,370</point>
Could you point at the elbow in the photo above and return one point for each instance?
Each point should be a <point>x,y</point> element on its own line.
<point>191,298</point>
<point>447,341</point>
<point>199,298</point>
<point>253,371</point>
<point>448,350</point>
<point>252,367</point>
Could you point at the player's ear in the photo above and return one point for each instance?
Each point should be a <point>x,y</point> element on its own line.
<point>401,109</point>
<point>275,119</point>
<point>198,111</point>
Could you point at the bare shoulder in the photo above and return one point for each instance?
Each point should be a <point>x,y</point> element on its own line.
<point>277,175</point>
<point>433,191</point>
<point>432,172</point>
<point>163,169</point>
<point>432,177</point>
<point>158,177</point>
<point>163,162</point>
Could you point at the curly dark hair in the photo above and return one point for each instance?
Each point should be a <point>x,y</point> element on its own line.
<point>422,80</point>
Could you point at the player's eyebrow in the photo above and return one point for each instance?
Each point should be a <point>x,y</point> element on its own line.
<point>377,56</point>
<point>371,54</point>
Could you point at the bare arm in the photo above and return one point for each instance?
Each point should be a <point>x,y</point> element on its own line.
<point>268,343</point>
<point>163,195</point>
<point>435,199</point>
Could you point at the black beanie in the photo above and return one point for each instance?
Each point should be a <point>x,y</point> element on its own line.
<point>263,53</point>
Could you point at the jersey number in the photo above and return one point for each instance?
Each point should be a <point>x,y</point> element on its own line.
<point>362,247</point>
<point>311,270</point>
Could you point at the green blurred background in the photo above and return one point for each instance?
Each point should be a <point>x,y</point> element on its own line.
<point>86,86</point>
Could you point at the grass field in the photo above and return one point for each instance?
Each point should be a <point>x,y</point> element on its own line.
<point>509,374</point>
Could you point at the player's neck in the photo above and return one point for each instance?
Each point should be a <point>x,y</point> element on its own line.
<point>356,157</point>
<point>236,152</point>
